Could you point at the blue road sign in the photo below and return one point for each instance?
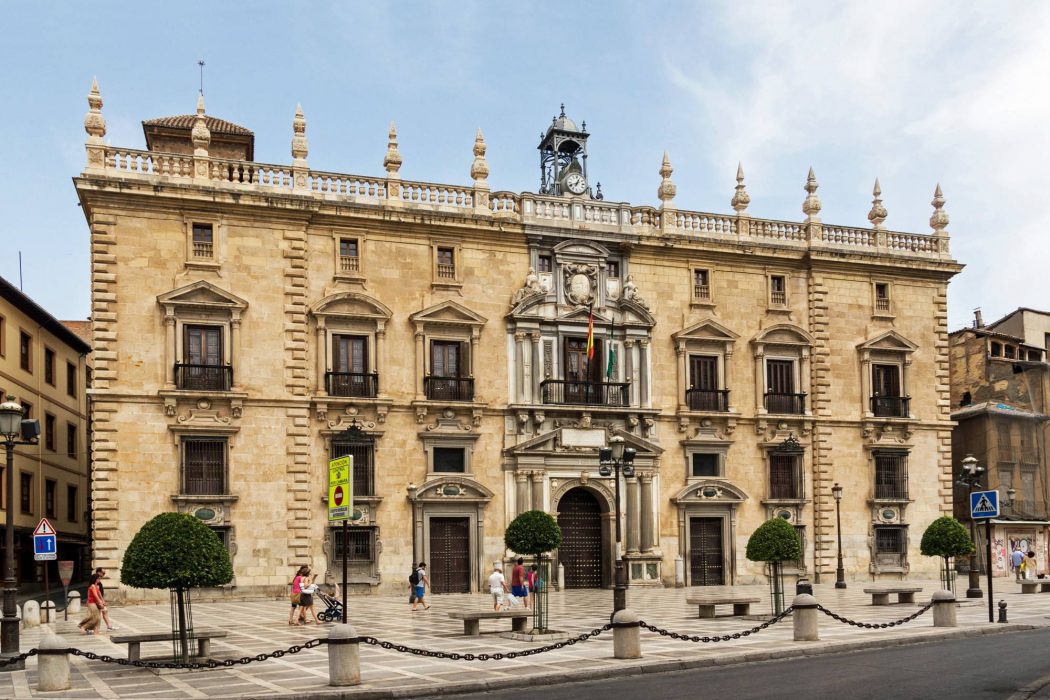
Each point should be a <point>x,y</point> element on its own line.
<point>45,548</point>
<point>984,504</point>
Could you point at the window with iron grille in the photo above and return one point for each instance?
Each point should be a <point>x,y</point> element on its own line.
<point>891,544</point>
<point>891,475</point>
<point>50,487</point>
<point>785,476</point>
<point>361,541</point>
<point>777,290</point>
<point>71,504</point>
<point>349,259</point>
<point>204,466</point>
<point>203,241</point>
<point>882,296</point>
<point>701,284</point>
<point>449,459</point>
<point>800,563</point>
<point>705,464</point>
<point>446,263</point>
<point>364,469</point>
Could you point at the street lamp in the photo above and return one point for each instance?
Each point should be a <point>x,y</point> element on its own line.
<point>613,460</point>
<point>970,477</point>
<point>12,427</point>
<point>840,573</point>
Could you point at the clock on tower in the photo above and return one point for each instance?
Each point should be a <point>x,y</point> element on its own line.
<point>563,158</point>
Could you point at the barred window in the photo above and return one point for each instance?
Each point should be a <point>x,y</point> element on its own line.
<point>891,545</point>
<point>705,464</point>
<point>223,533</point>
<point>204,466</point>
<point>891,475</point>
<point>361,542</point>
<point>785,476</point>
<point>364,467</point>
<point>203,241</point>
<point>449,459</point>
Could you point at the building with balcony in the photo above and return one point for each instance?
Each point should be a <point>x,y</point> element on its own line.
<point>999,385</point>
<point>472,349</point>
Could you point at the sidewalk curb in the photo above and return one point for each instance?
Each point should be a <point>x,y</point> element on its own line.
<point>635,669</point>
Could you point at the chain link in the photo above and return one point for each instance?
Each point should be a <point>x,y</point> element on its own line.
<point>196,665</point>
<point>717,638</point>
<point>498,656</point>
<point>16,659</point>
<point>874,625</point>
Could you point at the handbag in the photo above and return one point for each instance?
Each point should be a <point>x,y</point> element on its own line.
<point>294,597</point>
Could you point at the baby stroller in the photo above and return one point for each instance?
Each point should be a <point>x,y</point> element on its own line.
<point>333,610</point>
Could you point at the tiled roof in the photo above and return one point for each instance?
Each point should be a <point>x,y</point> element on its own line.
<point>185,121</point>
<point>82,329</point>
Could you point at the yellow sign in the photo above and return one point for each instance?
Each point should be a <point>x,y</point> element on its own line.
<point>340,488</point>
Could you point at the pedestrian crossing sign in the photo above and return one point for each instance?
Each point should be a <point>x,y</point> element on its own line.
<point>984,504</point>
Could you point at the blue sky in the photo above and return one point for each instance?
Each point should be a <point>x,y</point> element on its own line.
<point>914,93</point>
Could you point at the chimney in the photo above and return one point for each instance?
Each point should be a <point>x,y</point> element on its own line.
<point>978,322</point>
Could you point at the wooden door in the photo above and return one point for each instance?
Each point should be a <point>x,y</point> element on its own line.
<point>580,520</point>
<point>449,566</point>
<point>446,368</point>
<point>203,345</point>
<point>706,559</point>
<point>581,375</point>
<point>350,366</point>
<point>885,380</point>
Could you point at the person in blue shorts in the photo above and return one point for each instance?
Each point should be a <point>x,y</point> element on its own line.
<point>517,581</point>
<point>420,587</point>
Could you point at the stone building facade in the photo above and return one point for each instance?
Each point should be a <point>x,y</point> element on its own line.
<point>252,321</point>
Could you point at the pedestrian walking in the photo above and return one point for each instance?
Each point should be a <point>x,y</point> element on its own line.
<point>530,585</point>
<point>1017,562</point>
<point>517,581</point>
<point>1030,565</point>
<point>92,616</point>
<point>296,595</point>
<point>497,586</point>
<point>419,582</point>
<point>306,599</point>
<point>104,609</point>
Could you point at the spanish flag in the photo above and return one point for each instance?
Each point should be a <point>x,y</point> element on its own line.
<point>590,336</point>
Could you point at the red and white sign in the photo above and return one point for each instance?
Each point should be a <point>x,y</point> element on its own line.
<point>44,528</point>
<point>338,495</point>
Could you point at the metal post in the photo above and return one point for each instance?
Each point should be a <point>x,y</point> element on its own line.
<point>840,572</point>
<point>346,555</point>
<point>619,587</point>
<point>988,564</point>
<point>974,591</point>
<point>9,645</point>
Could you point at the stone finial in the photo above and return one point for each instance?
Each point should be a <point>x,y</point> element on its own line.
<point>94,122</point>
<point>479,169</point>
<point>299,146</point>
<point>877,215</point>
<point>811,205</point>
<point>392,159</point>
<point>740,198</point>
<point>939,219</point>
<point>200,135</point>
<point>667,189</point>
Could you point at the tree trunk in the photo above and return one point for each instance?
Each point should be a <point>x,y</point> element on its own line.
<point>183,651</point>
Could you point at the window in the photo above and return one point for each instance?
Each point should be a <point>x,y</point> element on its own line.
<point>890,545</point>
<point>1009,352</point>
<point>785,476</point>
<point>204,466</point>
<point>359,544</point>
<point>71,504</point>
<point>71,440</point>
<point>49,366</point>
<point>1035,355</point>
<point>25,483</point>
<point>71,379</point>
<point>449,459</point>
<point>612,268</point>
<point>3,337</point>
<point>202,366</point>
<point>25,351</point>
<point>882,296</point>
<point>886,399</point>
<point>777,290</point>
<point>1005,441</point>
<point>203,241</point>
<point>49,432</point>
<point>3,485</point>
<point>349,260</point>
<point>544,264</point>
<point>27,410</point>
<point>705,464</point>
<point>1027,495</point>
<point>800,563</point>
<point>780,388</point>
<point>704,393</point>
<point>997,349</point>
<point>447,370</point>
<point>49,498</point>
<point>223,533</point>
<point>701,284</point>
<point>891,475</point>
<point>363,453</point>
<point>1006,479</point>
<point>350,375</point>
<point>446,263</point>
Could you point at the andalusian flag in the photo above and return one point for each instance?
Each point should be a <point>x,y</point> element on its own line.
<point>590,336</point>
<point>612,362</point>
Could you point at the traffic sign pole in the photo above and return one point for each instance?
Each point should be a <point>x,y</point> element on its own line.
<point>988,553</point>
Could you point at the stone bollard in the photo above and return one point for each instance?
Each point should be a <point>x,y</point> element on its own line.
<point>627,635</point>
<point>561,577</point>
<point>804,617</point>
<point>944,610</point>
<point>53,666</point>
<point>344,656</point>
<point>73,602</point>
<point>31,614</point>
<point>47,612</point>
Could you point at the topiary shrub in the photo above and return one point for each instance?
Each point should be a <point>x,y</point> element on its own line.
<point>178,552</point>
<point>535,532</point>
<point>946,537</point>
<point>775,541</point>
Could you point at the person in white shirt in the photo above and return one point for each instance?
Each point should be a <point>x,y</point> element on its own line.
<point>497,586</point>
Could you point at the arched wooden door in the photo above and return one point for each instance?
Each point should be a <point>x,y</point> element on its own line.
<point>580,520</point>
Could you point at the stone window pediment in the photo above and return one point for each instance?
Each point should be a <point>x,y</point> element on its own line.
<point>707,330</point>
<point>890,341</point>
<point>447,313</point>
<point>784,334</point>
<point>351,304</point>
<point>715,491</point>
<point>195,362</point>
<point>451,489</point>
<point>576,249</point>
<point>201,296</point>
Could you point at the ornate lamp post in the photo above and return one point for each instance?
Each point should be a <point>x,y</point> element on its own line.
<point>970,477</point>
<point>12,427</point>
<point>840,573</point>
<point>612,461</point>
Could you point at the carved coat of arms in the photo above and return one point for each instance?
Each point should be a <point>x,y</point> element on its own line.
<point>580,283</point>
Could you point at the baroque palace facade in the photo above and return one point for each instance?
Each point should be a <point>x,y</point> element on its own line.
<point>251,321</point>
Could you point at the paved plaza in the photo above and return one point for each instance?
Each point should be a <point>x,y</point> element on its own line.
<point>261,626</point>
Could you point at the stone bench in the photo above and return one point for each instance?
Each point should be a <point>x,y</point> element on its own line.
<point>741,603</point>
<point>135,641</point>
<point>519,619</point>
<point>881,596</point>
<point>1030,586</point>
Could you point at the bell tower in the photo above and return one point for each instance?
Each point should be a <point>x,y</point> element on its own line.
<point>563,158</point>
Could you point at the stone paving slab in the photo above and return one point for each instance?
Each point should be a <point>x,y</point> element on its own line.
<point>257,627</point>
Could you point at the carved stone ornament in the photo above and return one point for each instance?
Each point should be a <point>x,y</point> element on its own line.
<point>532,287</point>
<point>580,281</point>
<point>630,293</point>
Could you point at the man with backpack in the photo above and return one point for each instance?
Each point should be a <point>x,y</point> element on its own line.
<point>418,581</point>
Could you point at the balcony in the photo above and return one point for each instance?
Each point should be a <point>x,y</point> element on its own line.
<point>707,399</point>
<point>449,388</point>
<point>203,377</point>
<point>356,384</point>
<point>793,404</point>
<point>570,392</point>
<point>891,406</point>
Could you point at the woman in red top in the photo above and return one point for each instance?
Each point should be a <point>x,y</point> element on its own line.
<point>90,623</point>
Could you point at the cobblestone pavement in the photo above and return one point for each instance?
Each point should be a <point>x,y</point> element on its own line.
<point>261,627</point>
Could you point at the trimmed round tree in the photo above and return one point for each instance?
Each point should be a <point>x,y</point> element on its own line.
<point>775,541</point>
<point>178,552</point>
<point>535,532</point>
<point>946,537</point>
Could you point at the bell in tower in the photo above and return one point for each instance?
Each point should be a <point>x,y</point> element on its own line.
<point>563,158</point>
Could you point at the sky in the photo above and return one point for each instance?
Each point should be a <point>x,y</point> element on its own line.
<point>914,93</point>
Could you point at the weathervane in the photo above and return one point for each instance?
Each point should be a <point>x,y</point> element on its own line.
<point>201,64</point>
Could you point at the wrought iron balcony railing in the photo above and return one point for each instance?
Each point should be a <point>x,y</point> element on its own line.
<point>449,388</point>
<point>566,391</point>
<point>890,406</point>
<point>203,377</point>
<point>360,384</point>
<point>707,399</point>
<point>794,404</point>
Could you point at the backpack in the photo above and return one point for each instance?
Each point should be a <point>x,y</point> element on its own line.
<point>413,578</point>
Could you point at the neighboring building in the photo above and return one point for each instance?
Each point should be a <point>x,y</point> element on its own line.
<point>1000,380</point>
<point>251,321</point>
<point>43,364</point>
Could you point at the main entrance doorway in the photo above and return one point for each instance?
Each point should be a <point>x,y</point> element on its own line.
<point>580,520</point>
<point>449,565</point>
<point>706,567</point>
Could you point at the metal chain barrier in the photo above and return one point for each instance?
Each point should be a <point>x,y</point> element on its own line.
<point>716,638</point>
<point>497,656</point>
<point>196,665</point>
<point>874,625</point>
<point>16,659</point>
